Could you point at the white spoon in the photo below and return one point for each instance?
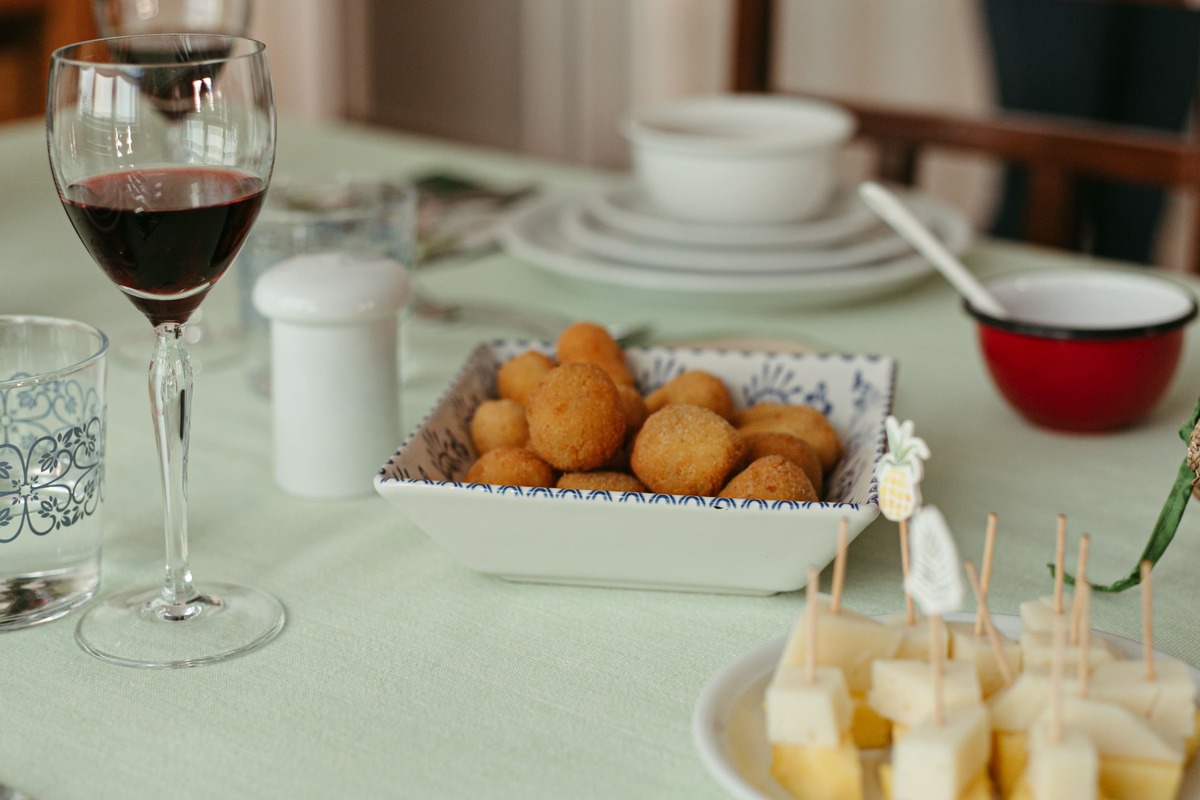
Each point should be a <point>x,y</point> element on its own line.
<point>892,211</point>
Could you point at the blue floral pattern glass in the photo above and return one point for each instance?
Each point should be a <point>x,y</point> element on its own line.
<point>52,434</point>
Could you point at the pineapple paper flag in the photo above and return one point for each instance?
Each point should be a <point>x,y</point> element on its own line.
<point>900,471</point>
<point>935,581</point>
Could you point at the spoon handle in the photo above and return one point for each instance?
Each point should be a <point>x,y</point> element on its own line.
<point>892,211</point>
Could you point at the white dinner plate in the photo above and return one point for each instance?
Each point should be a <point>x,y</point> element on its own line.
<point>533,235</point>
<point>626,208</point>
<point>729,726</point>
<point>590,234</point>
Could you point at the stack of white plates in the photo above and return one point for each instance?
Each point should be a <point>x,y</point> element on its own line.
<point>612,235</point>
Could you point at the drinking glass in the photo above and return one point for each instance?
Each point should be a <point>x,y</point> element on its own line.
<point>52,421</point>
<point>212,343</point>
<point>161,147</point>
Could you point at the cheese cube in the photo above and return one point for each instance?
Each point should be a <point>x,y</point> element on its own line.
<point>1067,768</point>
<point>846,640</point>
<point>868,730</point>
<point>818,773</point>
<point>1013,711</point>
<point>902,691</point>
<point>1019,706</point>
<point>1119,732</point>
<point>1169,700</point>
<point>1037,650</point>
<point>1037,616</point>
<point>803,713</point>
<point>978,789</point>
<point>1138,761</point>
<point>977,650</point>
<point>914,640</point>
<point>938,762</point>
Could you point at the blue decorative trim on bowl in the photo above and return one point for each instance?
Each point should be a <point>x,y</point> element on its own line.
<point>650,498</point>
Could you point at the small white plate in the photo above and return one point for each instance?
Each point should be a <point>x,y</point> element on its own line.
<point>880,243</point>
<point>626,208</point>
<point>729,726</point>
<point>533,235</point>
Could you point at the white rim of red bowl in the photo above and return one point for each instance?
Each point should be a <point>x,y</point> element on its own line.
<point>1155,327</point>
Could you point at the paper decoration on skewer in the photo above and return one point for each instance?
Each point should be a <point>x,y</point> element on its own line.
<point>935,581</point>
<point>899,474</point>
<point>900,471</point>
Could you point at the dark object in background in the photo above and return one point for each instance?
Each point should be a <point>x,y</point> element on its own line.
<point>1123,63</point>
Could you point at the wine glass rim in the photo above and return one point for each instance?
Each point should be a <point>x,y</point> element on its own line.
<point>68,54</point>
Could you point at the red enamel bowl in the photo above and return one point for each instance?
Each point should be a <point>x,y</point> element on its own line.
<point>1084,350</point>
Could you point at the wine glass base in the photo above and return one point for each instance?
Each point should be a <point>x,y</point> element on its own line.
<point>137,629</point>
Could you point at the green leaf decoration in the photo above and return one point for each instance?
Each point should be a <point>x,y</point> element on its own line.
<point>1166,525</point>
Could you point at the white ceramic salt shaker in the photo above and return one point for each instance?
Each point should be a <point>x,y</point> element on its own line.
<point>335,384</point>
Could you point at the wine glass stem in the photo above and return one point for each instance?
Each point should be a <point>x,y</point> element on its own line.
<point>171,396</point>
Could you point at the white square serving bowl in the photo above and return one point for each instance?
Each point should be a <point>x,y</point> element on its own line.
<point>642,540</point>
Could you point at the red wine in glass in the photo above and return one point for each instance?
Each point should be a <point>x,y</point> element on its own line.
<point>164,235</point>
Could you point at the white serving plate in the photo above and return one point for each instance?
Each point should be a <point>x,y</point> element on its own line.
<point>729,725</point>
<point>654,541</point>
<point>626,208</point>
<point>533,235</point>
<point>581,229</point>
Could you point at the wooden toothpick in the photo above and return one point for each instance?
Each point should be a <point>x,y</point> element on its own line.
<point>1080,578</point>
<point>1083,595</point>
<point>936,652</point>
<point>985,576</point>
<point>1060,553</point>
<point>1148,621</point>
<point>910,611</point>
<point>985,615</point>
<point>839,566</point>
<point>812,596</point>
<point>1057,659</point>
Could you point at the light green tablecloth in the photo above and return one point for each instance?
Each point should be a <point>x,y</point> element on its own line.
<point>400,673</point>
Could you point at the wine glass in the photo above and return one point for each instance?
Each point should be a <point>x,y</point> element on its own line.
<point>212,343</point>
<point>129,17</point>
<point>162,147</point>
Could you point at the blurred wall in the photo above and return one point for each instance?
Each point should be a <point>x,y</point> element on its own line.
<point>306,43</point>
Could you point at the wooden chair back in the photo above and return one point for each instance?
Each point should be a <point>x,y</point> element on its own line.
<point>1054,150</point>
<point>30,30</point>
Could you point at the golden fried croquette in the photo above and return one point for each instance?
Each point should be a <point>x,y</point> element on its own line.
<point>793,448</point>
<point>519,376</point>
<point>771,478</point>
<point>593,344</point>
<point>804,422</point>
<point>635,408</point>
<point>600,481</point>
<point>576,419</point>
<point>511,466</point>
<point>694,387</point>
<point>499,423</point>
<point>685,449</point>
